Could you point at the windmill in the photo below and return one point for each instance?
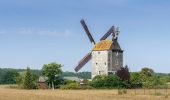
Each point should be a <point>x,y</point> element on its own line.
<point>107,56</point>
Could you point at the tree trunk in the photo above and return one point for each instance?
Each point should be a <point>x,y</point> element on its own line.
<point>52,85</point>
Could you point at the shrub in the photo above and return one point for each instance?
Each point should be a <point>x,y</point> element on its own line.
<point>109,82</point>
<point>135,80</point>
<point>98,82</point>
<point>74,86</point>
<point>66,82</point>
<point>123,73</point>
<point>155,82</point>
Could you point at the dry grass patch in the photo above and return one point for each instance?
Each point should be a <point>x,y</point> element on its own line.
<point>19,94</point>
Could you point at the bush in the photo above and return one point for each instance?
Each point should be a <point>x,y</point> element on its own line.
<point>123,73</point>
<point>97,82</point>
<point>135,80</point>
<point>109,82</point>
<point>155,82</point>
<point>74,86</point>
<point>66,82</point>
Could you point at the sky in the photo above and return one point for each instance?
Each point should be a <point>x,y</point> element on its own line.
<point>37,32</point>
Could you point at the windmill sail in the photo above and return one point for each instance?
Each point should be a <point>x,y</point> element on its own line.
<point>111,31</point>
<point>87,31</point>
<point>83,62</point>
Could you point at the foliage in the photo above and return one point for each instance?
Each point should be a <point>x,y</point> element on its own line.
<point>123,73</point>
<point>53,72</point>
<point>110,81</point>
<point>83,75</point>
<point>72,85</point>
<point>65,82</point>
<point>9,77</point>
<point>75,86</point>
<point>27,80</point>
<point>155,82</point>
<point>145,78</point>
<point>146,73</point>
<point>135,80</point>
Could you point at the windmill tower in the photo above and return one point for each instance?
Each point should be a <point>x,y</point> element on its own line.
<point>107,55</point>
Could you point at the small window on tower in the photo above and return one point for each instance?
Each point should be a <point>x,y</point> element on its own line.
<point>96,63</point>
<point>99,72</point>
<point>105,63</point>
<point>99,52</point>
<point>117,53</point>
<point>117,62</point>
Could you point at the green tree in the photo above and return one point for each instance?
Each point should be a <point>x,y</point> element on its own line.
<point>135,80</point>
<point>53,72</point>
<point>29,80</point>
<point>9,77</point>
<point>110,81</point>
<point>145,73</point>
<point>155,82</point>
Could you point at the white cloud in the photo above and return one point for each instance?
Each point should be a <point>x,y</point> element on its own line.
<point>65,33</point>
<point>24,31</point>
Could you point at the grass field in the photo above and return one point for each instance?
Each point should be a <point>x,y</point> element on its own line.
<point>140,94</point>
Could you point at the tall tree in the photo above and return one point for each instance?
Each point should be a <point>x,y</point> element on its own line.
<point>52,71</point>
<point>29,81</point>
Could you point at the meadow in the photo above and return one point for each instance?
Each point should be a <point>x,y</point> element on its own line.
<point>131,94</point>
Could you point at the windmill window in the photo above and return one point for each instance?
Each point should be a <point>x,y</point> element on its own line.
<point>96,63</point>
<point>117,62</point>
<point>117,53</point>
<point>99,72</point>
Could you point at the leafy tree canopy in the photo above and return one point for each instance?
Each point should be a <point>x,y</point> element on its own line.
<point>52,71</point>
<point>145,73</point>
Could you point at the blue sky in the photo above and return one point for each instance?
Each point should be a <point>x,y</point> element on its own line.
<point>37,32</point>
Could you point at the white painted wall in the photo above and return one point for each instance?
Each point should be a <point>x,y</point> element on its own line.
<point>104,62</point>
<point>100,63</point>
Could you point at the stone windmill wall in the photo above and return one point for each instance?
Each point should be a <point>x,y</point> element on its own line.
<point>107,58</point>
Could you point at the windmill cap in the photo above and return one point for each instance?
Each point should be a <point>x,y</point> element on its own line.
<point>107,45</point>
